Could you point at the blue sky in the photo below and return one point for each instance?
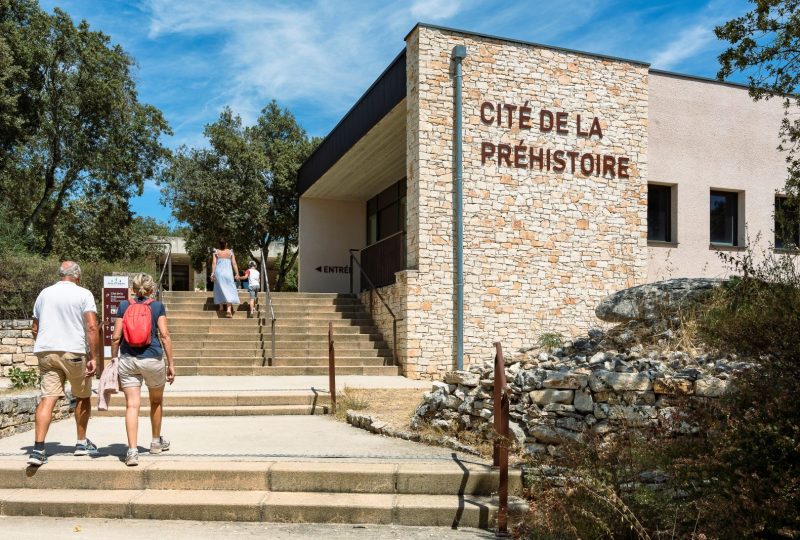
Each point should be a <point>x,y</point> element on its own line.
<point>316,57</point>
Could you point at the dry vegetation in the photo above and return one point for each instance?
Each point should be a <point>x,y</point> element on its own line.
<point>394,406</point>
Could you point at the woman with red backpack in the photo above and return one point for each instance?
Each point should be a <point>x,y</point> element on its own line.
<point>141,338</point>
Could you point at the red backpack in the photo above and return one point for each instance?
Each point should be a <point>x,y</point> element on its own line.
<point>137,324</point>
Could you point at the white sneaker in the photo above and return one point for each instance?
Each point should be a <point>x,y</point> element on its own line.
<point>162,445</point>
<point>132,458</point>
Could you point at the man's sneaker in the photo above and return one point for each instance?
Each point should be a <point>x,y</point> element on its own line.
<point>161,445</point>
<point>132,457</point>
<point>37,458</point>
<point>88,449</point>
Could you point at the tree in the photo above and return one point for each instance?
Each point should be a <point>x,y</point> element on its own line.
<point>765,44</point>
<point>83,130</point>
<point>244,187</point>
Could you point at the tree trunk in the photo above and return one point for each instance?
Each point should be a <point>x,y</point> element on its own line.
<point>69,179</point>
<point>282,272</point>
<point>49,184</point>
<point>285,268</point>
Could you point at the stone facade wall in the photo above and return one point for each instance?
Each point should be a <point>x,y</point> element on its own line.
<point>540,248</point>
<point>16,346</point>
<point>17,413</point>
<point>395,296</point>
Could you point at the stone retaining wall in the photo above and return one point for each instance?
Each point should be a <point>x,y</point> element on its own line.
<point>16,346</point>
<point>583,388</point>
<point>17,413</point>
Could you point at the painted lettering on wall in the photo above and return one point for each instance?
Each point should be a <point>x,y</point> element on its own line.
<point>522,156</point>
<point>333,269</point>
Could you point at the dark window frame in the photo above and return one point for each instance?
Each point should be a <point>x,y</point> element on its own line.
<point>391,199</point>
<point>779,234</point>
<point>665,193</point>
<point>729,214</point>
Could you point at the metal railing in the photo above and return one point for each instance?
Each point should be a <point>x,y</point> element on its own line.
<point>501,441</point>
<point>167,265</point>
<point>381,260</point>
<point>265,282</point>
<point>331,368</point>
<point>374,289</point>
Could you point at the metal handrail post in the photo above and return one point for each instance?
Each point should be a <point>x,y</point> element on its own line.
<point>351,273</point>
<point>331,368</point>
<point>265,277</point>
<point>167,262</point>
<point>385,303</point>
<point>501,408</point>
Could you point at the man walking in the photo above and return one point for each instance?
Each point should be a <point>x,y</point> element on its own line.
<point>65,330</point>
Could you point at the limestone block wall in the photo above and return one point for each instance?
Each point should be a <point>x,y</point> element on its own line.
<point>18,413</point>
<point>16,346</point>
<point>541,247</point>
<point>395,296</point>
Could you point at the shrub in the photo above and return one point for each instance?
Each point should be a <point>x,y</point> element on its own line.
<point>24,275</point>
<point>24,378</point>
<point>550,341</point>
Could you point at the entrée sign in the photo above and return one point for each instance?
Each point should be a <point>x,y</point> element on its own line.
<point>521,156</point>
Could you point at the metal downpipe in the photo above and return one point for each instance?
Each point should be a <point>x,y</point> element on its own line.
<point>459,53</point>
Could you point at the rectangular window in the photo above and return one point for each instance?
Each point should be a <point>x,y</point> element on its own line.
<point>787,223</point>
<point>386,212</point>
<point>724,218</point>
<point>659,213</point>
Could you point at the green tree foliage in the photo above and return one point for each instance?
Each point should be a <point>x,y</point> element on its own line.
<point>243,187</point>
<point>765,44</point>
<point>77,129</point>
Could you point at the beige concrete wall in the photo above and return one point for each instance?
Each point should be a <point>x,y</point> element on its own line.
<point>705,136</point>
<point>328,229</point>
<point>541,248</point>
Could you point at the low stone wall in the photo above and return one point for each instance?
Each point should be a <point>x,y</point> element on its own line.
<point>583,388</point>
<point>17,413</point>
<point>16,346</point>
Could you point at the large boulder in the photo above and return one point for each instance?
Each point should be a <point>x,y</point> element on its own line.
<point>654,300</point>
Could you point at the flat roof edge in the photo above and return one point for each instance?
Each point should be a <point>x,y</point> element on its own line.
<point>528,43</point>
<point>699,78</point>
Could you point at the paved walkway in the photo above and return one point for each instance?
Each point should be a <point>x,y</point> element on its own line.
<point>35,528</point>
<point>235,438</point>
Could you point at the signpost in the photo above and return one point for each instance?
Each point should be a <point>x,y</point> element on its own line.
<point>115,290</point>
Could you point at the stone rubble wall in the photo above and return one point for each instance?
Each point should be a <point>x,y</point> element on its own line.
<point>17,413</point>
<point>16,346</point>
<point>580,390</point>
<point>541,248</point>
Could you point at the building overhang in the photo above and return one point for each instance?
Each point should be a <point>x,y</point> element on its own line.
<point>369,125</point>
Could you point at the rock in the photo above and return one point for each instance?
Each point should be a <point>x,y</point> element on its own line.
<point>672,386</point>
<point>583,401</point>
<point>572,424</point>
<point>465,378</point>
<point>439,386</point>
<point>445,425</point>
<point>558,408</point>
<point>565,381</point>
<point>710,387</point>
<point>536,448</point>
<point>654,300</point>
<point>622,382</point>
<point>544,397</point>
<point>597,358</point>
<point>517,432</point>
<point>546,434</point>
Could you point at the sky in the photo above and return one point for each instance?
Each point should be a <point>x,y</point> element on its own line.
<point>317,57</point>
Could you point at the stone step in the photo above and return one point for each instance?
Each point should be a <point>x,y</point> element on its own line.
<point>340,334</point>
<point>339,327</point>
<point>280,361</point>
<point>199,315</point>
<point>230,399</point>
<point>222,410</point>
<point>281,344</point>
<point>268,506</point>
<point>284,370</point>
<point>242,292</point>
<point>188,351</point>
<point>165,472</point>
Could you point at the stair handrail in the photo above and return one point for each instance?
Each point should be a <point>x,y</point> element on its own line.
<point>265,281</point>
<point>167,263</point>
<point>385,303</point>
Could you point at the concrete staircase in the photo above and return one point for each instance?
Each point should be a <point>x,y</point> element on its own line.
<point>206,343</point>
<point>445,493</point>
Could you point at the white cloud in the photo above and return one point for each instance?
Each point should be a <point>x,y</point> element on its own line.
<point>434,10</point>
<point>685,45</point>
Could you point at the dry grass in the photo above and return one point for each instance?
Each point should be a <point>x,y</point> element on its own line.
<point>394,406</point>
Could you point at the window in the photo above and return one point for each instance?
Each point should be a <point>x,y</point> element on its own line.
<point>659,213</point>
<point>725,218</point>
<point>787,223</point>
<point>386,212</point>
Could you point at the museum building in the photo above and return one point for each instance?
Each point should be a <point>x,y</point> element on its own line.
<point>495,189</point>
